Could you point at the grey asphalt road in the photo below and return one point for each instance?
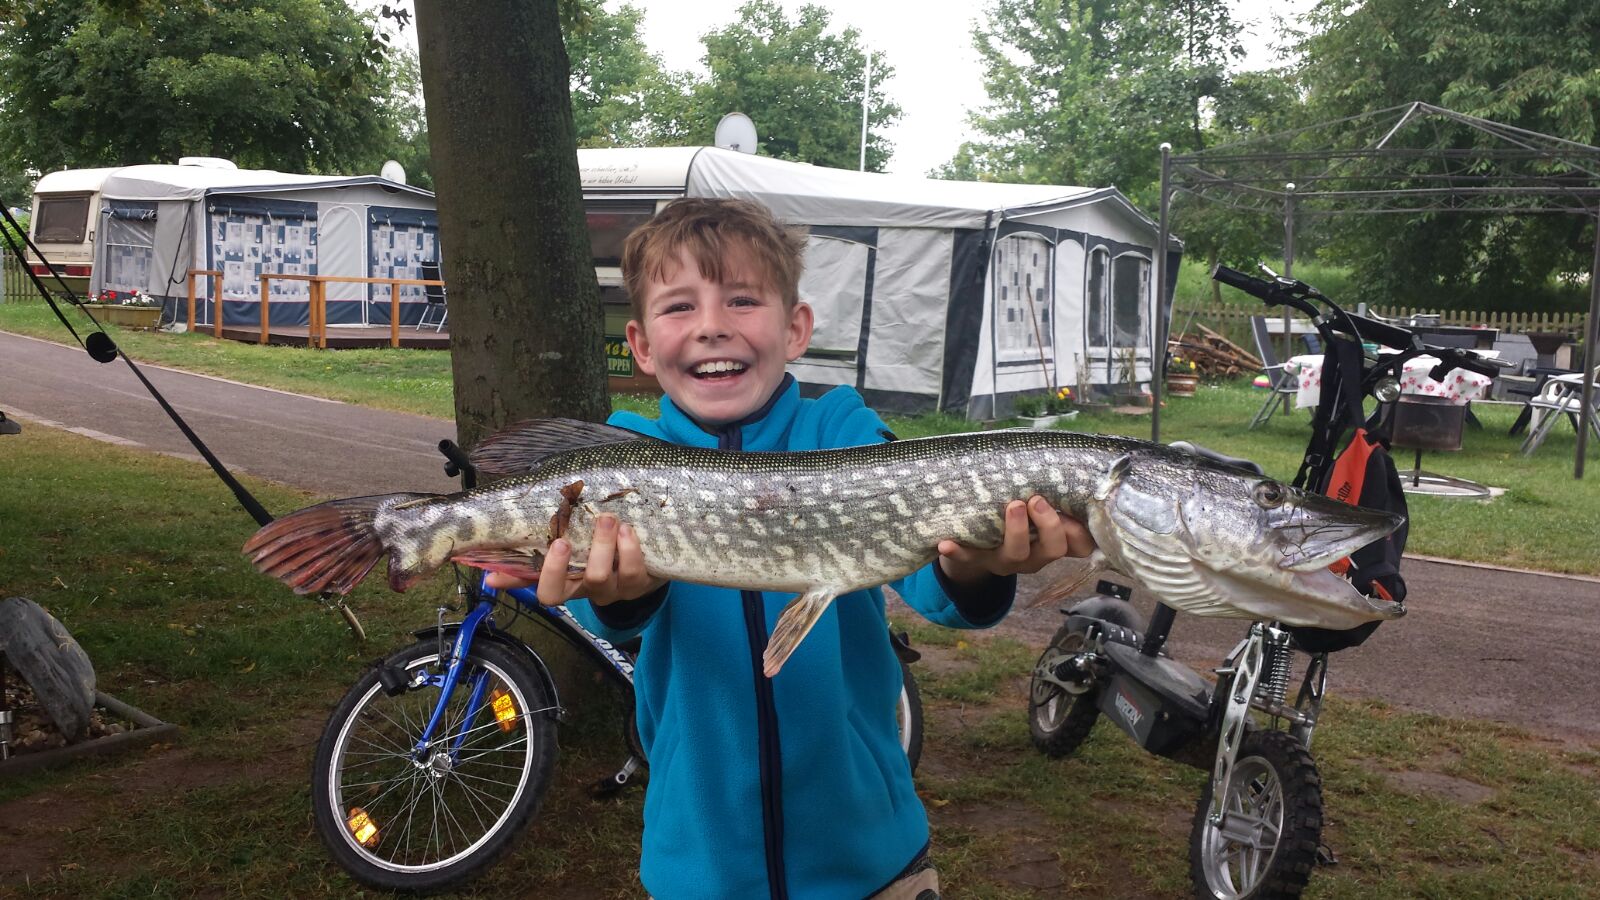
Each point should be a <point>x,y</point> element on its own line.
<point>308,442</point>
<point>1478,642</point>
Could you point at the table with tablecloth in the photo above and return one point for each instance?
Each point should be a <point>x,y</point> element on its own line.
<point>1459,386</point>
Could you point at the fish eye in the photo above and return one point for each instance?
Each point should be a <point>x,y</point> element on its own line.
<point>1270,495</point>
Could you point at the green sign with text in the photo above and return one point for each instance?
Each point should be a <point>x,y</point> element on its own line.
<point>619,357</point>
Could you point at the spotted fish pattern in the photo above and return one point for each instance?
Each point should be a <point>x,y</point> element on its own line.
<point>824,523</point>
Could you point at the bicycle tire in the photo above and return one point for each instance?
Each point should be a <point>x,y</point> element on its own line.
<point>365,760</point>
<point>908,715</point>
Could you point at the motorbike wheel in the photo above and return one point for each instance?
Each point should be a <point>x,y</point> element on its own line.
<point>1059,721</point>
<point>908,714</point>
<point>442,817</point>
<point>1266,844</point>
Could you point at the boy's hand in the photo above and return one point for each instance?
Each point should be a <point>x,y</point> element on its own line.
<point>1056,535</point>
<point>615,570</point>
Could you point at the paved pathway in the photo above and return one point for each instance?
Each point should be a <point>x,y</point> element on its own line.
<point>1481,643</point>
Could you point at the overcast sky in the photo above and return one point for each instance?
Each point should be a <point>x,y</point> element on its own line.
<point>929,42</point>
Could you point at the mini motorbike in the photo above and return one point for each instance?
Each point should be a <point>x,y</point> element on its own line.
<point>1257,827</point>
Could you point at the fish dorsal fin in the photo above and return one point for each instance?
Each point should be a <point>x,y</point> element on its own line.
<point>522,447</point>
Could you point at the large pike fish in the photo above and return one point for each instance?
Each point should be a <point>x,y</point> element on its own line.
<point>1198,535</point>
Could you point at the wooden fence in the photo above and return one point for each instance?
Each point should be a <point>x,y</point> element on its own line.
<point>14,284</point>
<point>1234,321</point>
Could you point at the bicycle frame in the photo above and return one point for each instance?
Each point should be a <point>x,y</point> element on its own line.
<point>558,618</point>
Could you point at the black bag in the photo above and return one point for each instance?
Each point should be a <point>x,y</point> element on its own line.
<point>1363,475</point>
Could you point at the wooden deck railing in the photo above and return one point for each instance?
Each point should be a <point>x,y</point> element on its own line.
<point>317,330</point>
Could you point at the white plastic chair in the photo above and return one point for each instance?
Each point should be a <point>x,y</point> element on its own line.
<point>1562,395</point>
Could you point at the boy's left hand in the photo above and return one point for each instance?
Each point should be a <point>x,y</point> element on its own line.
<point>1056,535</point>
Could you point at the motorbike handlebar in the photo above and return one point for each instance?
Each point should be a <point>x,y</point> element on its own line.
<point>1283,292</point>
<point>1454,358</point>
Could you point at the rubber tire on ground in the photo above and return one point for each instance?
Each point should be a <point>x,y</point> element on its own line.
<point>1295,856</point>
<point>534,779</point>
<point>1065,738</point>
<point>909,715</point>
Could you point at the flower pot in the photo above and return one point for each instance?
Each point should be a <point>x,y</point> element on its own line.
<point>1182,385</point>
<point>1047,421</point>
<point>126,316</point>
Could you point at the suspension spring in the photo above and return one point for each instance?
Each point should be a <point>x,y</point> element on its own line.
<point>1277,668</point>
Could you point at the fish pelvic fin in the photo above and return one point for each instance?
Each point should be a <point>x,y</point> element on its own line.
<point>1064,587</point>
<point>522,447</point>
<point>516,563</point>
<point>798,618</point>
<point>329,547</point>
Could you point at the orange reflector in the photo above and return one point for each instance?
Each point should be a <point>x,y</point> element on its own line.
<point>362,826</point>
<point>505,709</point>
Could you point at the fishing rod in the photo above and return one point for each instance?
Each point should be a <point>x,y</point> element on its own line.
<point>102,349</point>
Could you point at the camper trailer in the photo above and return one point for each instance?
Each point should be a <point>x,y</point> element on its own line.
<point>929,294</point>
<point>143,228</point>
<point>63,224</point>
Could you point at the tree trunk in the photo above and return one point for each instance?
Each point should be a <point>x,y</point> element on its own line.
<point>526,330</point>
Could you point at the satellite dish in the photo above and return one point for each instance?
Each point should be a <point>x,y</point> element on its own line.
<point>736,132</point>
<point>393,171</point>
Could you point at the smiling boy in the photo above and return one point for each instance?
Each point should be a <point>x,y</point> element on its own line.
<point>794,786</point>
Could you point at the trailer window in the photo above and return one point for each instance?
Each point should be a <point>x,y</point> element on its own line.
<point>1022,303</point>
<point>1130,292</point>
<point>62,220</point>
<point>609,223</point>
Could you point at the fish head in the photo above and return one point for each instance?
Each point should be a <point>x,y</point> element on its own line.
<point>1213,538</point>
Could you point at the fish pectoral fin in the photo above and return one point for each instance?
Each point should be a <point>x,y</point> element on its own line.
<point>516,563</point>
<point>796,622</point>
<point>1063,587</point>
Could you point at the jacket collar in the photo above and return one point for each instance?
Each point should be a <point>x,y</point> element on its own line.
<point>765,429</point>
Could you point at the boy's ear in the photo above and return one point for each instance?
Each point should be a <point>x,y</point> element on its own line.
<point>639,343</point>
<point>801,321</point>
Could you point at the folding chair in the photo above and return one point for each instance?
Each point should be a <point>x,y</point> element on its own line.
<point>1283,383</point>
<point>435,297</point>
<point>1562,395</point>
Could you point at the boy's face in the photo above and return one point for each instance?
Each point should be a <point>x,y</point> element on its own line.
<point>718,350</point>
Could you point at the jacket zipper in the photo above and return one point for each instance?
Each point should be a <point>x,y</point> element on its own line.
<point>768,748</point>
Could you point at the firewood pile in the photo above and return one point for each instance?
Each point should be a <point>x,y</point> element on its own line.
<point>1213,355</point>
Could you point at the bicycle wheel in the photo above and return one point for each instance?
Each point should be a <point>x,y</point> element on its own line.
<point>404,819</point>
<point>1266,844</point>
<point>1059,721</point>
<point>908,714</point>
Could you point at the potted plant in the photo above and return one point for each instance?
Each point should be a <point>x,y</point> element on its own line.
<point>1183,377</point>
<point>1045,410</point>
<point>129,309</point>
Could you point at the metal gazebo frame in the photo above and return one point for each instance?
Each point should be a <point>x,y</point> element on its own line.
<point>1411,159</point>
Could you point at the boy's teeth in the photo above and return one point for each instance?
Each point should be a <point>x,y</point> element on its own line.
<point>718,366</point>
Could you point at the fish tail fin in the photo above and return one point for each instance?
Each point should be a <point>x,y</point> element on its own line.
<point>1064,587</point>
<point>796,622</point>
<point>328,547</point>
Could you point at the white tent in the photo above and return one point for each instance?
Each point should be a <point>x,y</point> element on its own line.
<point>156,222</point>
<point>929,294</point>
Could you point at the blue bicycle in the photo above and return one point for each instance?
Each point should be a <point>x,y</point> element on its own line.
<point>439,756</point>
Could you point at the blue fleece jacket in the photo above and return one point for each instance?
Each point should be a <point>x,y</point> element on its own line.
<point>793,787</point>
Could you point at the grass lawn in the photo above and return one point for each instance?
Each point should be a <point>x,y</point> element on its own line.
<point>137,554</point>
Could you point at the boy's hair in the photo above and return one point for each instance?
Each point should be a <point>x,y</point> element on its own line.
<point>707,228</point>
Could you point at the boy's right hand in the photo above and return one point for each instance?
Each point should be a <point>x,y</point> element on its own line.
<point>615,570</point>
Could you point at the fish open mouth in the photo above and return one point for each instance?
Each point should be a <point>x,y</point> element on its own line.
<point>1316,538</point>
